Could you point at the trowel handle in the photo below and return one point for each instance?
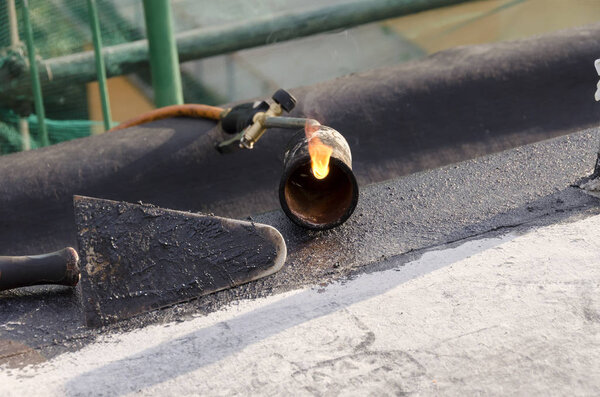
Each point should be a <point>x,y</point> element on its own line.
<point>60,267</point>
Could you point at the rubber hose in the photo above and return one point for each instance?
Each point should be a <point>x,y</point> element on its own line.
<point>187,110</point>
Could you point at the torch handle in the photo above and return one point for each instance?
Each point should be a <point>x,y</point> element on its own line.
<point>60,268</point>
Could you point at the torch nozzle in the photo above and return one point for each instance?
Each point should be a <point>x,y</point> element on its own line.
<point>313,198</point>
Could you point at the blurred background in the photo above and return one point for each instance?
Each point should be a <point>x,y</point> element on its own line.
<point>73,108</point>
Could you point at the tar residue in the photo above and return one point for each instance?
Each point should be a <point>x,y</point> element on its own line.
<point>136,258</point>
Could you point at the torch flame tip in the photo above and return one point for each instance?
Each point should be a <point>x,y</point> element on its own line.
<point>319,157</point>
<point>320,153</point>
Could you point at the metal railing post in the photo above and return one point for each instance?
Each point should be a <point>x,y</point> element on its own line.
<point>100,69</point>
<point>12,21</point>
<point>15,42</point>
<point>35,77</point>
<point>164,61</point>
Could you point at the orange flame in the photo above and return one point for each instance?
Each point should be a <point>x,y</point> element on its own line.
<point>319,152</point>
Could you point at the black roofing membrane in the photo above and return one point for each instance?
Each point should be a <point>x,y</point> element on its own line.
<point>509,191</point>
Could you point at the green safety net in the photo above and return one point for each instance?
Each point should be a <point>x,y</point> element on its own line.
<point>61,27</point>
<point>14,139</point>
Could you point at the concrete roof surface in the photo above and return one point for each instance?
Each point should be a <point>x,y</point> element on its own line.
<point>511,314</point>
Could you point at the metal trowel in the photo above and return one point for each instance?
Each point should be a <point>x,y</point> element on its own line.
<point>138,257</point>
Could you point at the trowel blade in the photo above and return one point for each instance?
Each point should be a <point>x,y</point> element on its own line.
<point>136,257</point>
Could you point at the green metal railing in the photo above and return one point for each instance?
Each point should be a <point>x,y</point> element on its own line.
<point>35,76</point>
<point>163,50</point>
<point>100,69</point>
<point>164,64</point>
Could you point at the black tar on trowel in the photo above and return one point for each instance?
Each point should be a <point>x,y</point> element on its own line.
<point>135,258</point>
